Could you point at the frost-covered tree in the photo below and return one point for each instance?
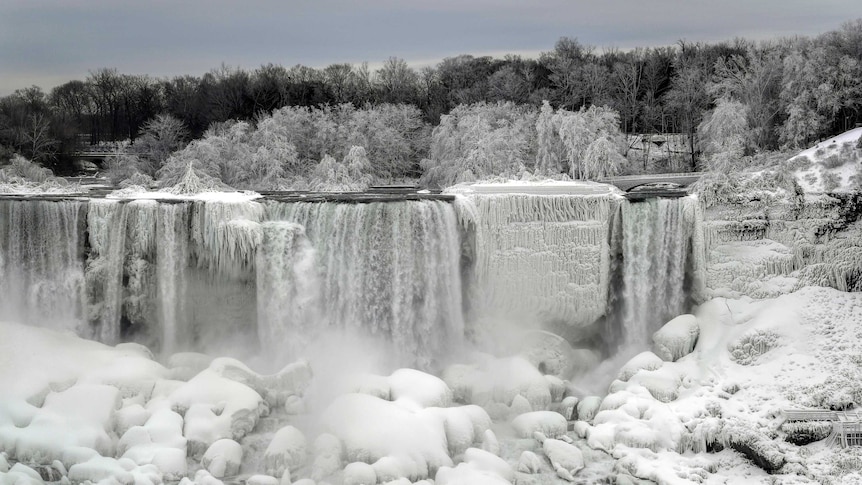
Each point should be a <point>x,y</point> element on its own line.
<point>723,134</point>
<point>479,141</point>
<point>603,158</point>
<point>159,138</point>
<point>350,175</point>
<point>549,148</point>
<point>579,130</point>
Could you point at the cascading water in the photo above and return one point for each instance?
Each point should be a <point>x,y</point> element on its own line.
<point>224,276</point>
<point>288,289</point>
<point>658,271</point>
<point>388,270</point>
<point>41,268</point>
<point>173,259</point>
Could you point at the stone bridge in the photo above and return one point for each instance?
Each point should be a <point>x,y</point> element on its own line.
<point>629,182</point>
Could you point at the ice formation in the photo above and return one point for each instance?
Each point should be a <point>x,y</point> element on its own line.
<point>262,279</point>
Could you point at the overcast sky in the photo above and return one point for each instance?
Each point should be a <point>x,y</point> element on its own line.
<point>46,42</point>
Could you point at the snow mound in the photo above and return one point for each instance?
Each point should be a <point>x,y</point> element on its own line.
<point>676,338</point>
<point>223,458</point>
<point>548,423</point>
<point>371,428</point>
<point>423,389</point>
<point>286,451</point>
<point>643,361</point>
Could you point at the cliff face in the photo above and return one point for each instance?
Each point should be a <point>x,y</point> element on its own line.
<point>764,247</point>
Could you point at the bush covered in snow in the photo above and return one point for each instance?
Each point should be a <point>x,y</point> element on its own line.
<point>805,432</point>
<point>752,345</point>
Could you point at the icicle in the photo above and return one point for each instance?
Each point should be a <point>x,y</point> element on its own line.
<point>225,236</point>
<point>541,258</point>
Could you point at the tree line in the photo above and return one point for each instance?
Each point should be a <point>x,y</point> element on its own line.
<point>791,91</point>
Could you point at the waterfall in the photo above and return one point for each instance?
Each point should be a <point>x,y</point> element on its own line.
<point>658,273</point>
<point>288,290</point>
<point>388,270</point>
<point>41,268</point>
<point>234,277</point>
<point>173,259</point>
<point>106,223</point>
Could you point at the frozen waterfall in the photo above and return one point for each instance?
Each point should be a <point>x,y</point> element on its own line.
<point>658,246</point>
<point>237,276</point>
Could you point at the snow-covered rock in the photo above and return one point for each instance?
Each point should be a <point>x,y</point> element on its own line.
<point>261,480</point>
<point>371,428</point>
<point>588,407</point>
<point>287,450</point>
<point>643,361</point>
<point>566,459</point>
<point>423,389</point>
<point>676,338</point>
<point>548,423</point>
<point>223,458</point>
<point>358,473</point>
<point>529,463</point>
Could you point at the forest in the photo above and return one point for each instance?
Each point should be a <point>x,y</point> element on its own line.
<point>574,112</point>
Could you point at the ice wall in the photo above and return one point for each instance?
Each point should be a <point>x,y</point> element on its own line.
<point>538,259</point>
<point>41,266</point>
<point>765,249</point>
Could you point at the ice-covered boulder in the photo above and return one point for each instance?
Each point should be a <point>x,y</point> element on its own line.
<point>676,338</point>
<point>548,423</point>
<point>223,458</point>
<point>371,428</point>
<point>358,473</point>
<point>643,361</point>
<point>287,450</point>
<point>490,443</point>
<point>490,462</point>
<point>566,459</point>
<point>158,442</point>
<point>549,353</point>
<point>225,407</point>
<point>520,405</point>
<point>588,407</point>
<point>261,480</point>
<point>424,389</point>
<point>387,469</point>
<point>101,468</point>
<point>529,463</point>
<point>569,408</point>
<point>80,416</point>
<point>292,380</point>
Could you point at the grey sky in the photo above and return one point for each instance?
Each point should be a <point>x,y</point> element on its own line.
<point>47,42</point>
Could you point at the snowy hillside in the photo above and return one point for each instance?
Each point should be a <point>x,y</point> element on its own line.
<point>832,165</point>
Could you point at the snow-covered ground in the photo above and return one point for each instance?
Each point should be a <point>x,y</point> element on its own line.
<point>77,410</point>
<point>832,165</point>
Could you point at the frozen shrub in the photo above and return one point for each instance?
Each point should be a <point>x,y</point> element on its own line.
<point>746,350</point>
<point>805,432</point>
<point>833,161</point>
<point>831,180</point>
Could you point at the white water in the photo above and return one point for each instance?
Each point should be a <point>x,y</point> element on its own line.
<point>657,241</point>
<point>233,277</point>
<point>41,271</point>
